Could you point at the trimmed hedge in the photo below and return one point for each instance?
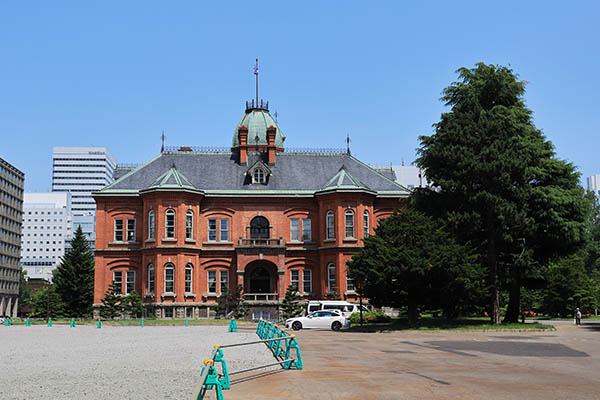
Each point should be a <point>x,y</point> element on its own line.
<point>370,318</point>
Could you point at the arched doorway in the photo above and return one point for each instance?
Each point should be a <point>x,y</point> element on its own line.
<point>259,280</point>
<point>259,228</point>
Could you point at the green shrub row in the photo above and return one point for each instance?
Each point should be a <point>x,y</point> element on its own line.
<point>377,317</point>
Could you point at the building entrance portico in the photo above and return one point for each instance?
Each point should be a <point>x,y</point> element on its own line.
<point>260,281</point>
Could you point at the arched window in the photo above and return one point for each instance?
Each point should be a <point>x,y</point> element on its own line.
<point>151,225</point>
<point>151,278</point>
<point>169,278</point>
<point>330,225</point>
<point>189,269</point>
<point>189,224</point>
<point>366,223</point>
<point>170,223</point>
<point>259,176</point>
<point>331,278</point>
<point>349,214</point>
<point>259,228</point>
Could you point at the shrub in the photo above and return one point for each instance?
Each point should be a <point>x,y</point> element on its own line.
<point>377,317</point>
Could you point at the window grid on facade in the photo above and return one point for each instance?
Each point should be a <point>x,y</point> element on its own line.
<point>212,281</point>
<point>188,278</point>
<point>170,223</point>
<point>169,278</point>
<point>224,230</point>
<point>131,230</point>
<point>259,176</point>
<point>151,278</point>
<point>306,230</point>
<point>349,282</point>
<point>331,279</point>
<point>189,225</point>
<point>224,281</point>
<point>118,230</point>
<point>295,279</point>
<point>151,225</point>
<point>295,229</point>
<point>129,282</point>
<point>118,281</point>
<point>212,230</point>
<point>349,214</point>
<point>330,225</point>
<point>366,223</point>
<point>307,281</point>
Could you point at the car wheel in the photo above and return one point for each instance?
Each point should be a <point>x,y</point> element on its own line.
<point>296,326</point>
<point>336,326</point>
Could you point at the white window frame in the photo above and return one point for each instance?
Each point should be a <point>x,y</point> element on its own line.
<point>213,231</point>
<point>131,229</point>
<point>331,278</point>
<point>119,231</point>
<point>129,281</point>
<point>306,230</point>
<point>151,225</point>
<point>258,176</point>
<point>211,278</point>
<point>223,281</point>
<point>189,278</point>
<point>151,281</point>
<point>349,224</point>
<point>118,283</point>
<point>307,278</point>
<point>366,227</point>
<point>295,280</point>
<point>189,225</point>
<point>171,282</point>
<point>170,213</point>
<point>295,230</point>
<point>329,225</point>
<point>350,287</point>
<point>224,230</point>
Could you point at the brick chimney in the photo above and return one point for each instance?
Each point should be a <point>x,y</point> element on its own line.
<point>243,139</point>
<point>271,149</point>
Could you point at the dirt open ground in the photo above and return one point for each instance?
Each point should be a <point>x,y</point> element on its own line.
<point>164,362</point>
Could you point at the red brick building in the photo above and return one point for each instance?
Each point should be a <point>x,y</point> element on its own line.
<point>188,224</point>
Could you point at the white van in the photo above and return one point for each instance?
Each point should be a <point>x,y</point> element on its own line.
<point>345,307</point>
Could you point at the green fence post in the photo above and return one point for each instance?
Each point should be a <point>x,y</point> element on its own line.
<point>49,322</point>
<point>72,322</point>
<point>99,324</point>
<point>186,322</point>
<point>142,322</point>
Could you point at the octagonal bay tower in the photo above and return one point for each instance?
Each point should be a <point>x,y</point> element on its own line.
<point>193,223</point>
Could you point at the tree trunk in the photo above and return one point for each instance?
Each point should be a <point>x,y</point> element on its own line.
<point>493,268</point>
<point>413,314</point>
<point>514,301</point>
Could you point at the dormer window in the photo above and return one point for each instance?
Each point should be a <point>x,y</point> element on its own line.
<point>258,173</point>
<point>259,176</point>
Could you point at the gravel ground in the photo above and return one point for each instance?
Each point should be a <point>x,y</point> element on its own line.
<point>124,362</point>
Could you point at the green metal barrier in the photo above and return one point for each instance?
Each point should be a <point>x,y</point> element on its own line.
<point>282,345</point>
<point>233,325</point>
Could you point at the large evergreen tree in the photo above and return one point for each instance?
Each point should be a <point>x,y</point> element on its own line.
<point>413,262</point>
<point>74,277</point>
<point>112,303</point>
<point>500,186</point>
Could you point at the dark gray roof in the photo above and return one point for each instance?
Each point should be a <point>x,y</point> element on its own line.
<point>292,172</point>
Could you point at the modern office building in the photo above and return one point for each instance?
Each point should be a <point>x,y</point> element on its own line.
<point>409,176</point>
<point>11,208</point>
<point>81,171</point>
<point>47,229</point>
<point>593,184</point>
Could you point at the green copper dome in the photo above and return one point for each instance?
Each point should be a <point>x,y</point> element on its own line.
<point>258,120</point>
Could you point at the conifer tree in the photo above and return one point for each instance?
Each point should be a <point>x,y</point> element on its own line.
<point>112,303</point>
<point>73,278</point>
<point>232,302</point>
<point>290,305</point>
<point>134,305</point>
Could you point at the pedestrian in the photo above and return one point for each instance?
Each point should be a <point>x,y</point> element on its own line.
<point>577,317</point>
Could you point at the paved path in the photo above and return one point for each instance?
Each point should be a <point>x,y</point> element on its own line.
<point>561,364</point>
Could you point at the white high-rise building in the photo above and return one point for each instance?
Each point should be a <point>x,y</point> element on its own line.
<point>593,184</point>
<point>47,227</point>
<point>81,171</point>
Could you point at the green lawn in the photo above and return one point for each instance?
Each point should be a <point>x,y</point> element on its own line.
<point>428,323</point>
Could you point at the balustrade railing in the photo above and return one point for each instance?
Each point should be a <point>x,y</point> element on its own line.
<point>261,296</point>
<point>260,242</point>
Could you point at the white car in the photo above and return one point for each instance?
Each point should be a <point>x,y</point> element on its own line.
<point>330,319</point>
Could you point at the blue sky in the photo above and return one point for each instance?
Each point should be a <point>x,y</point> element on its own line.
<point>116,74</point>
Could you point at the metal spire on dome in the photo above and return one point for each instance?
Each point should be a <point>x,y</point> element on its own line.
<point>255,104</point>
<point>162,137</point>
<point>348,144</point>
<point>256,74</point>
